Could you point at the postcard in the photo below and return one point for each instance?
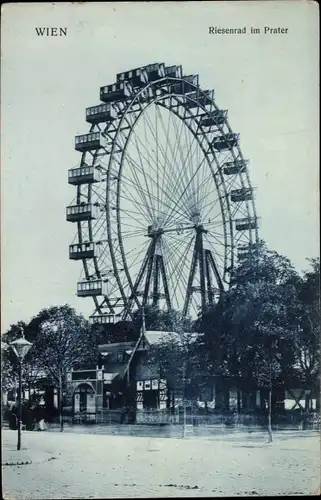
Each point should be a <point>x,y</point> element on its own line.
<point>160,249</point>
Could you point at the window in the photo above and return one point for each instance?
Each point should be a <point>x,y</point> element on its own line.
<point>120,357</point>
<point>150,399</point>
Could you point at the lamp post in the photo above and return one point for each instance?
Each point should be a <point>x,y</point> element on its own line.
<point>20,347</point>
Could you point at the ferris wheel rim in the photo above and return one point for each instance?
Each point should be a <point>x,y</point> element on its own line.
<point>250,204</point>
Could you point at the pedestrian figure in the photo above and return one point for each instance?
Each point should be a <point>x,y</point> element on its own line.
<point>42,425</point>
<point>13,422</point>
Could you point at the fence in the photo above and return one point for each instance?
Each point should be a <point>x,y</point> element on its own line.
<point>239,420</point>
<point>232,420</point>
<point>287,420</point>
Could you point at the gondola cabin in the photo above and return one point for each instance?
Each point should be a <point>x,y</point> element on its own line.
<point>102,319</point>
<point>118,91</point>
<point>84,175</point>
<point>101,113</point>
<point>82,212</point>
<point>226,141</point>
<point>87,250</point>
<point>235,167</point>
<point>137,77</point>
<point>243,251</point>
<point>186,85</point>
<point>245,223</point>
<point>203,98</point>
<point>242,194</point>
<point>217,117</point>
<point>147,94</point>
<point>155,71</point>
<point>173,71</point>
<point>89,142</point>
<point>90,288</point>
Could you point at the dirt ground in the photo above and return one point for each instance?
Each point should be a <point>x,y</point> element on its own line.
<point>104,466</point>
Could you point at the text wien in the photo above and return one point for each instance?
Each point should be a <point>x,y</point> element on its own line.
<point>51,31</point>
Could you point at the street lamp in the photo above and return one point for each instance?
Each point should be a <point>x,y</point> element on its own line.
<point>20,347</point>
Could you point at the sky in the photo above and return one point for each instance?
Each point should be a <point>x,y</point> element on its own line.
<point>268,82</point>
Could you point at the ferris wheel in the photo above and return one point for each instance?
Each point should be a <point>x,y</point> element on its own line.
<point>164,204</point>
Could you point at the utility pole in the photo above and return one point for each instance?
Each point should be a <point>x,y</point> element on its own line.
<point>184,402</point>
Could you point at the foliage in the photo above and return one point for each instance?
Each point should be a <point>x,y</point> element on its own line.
<point>165,321</point>
<point>61,340</point>
<point>64,340</point>
<point>258,305</point>
<point>307,340</point>
<point>31,369</point>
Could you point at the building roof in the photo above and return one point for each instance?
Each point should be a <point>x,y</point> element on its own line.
<point>113,370</point>
<point>117,347</point>
<point>151,337</point>
<point>156,337</point>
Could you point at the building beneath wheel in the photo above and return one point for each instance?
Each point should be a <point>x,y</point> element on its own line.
<point>130,386</point>
<point>127,386</point>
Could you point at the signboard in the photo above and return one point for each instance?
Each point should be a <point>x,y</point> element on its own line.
<point>162,383</point>
<point>206,394</point>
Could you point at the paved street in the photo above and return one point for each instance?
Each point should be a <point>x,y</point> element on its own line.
<point>105,466</point>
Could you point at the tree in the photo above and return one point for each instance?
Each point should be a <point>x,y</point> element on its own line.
<point>64,340</point>
<point>214,346</point>
<point>31,369</point>
<point>307,340</point>
<point>263,297</point>
<point>249,333</point>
